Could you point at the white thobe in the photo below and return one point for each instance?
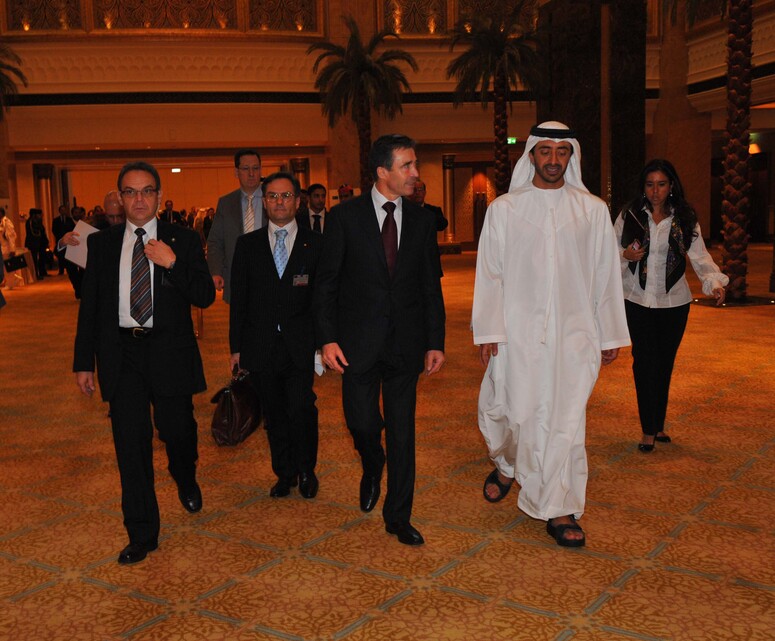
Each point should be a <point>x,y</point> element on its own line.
<point>548,291</point>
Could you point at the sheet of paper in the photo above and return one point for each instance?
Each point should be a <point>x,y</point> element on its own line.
<point>77,253</point>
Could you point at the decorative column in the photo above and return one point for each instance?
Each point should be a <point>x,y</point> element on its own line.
<point>43,174</point>
<point>448,166</point>
<point>300,169</point>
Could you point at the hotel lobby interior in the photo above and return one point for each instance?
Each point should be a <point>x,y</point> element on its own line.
<point>680,542</point>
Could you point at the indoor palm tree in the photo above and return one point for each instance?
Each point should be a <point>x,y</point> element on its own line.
<point>736,184</point>
<point>357,80</point>
<point>500,50</point>
<point>10,76</point>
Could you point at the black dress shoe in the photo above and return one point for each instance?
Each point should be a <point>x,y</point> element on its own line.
<point>136,552</point>
<point>369,492</point>
<point>308,485</point>
<point>406,534</point>
<point>191,499</point>
<point>282,487</point>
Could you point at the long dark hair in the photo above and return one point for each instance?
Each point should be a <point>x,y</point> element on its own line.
<point>676,202</point>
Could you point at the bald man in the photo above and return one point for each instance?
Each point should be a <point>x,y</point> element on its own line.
<point>114,210</point>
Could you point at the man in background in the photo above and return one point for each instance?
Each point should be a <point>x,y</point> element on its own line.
<point>419,197</point>
<point>238,212</point>
<point>315,217</point>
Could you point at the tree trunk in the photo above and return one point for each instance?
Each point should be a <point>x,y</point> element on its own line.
<point>363,123</point>
<point>501,130</point>
<point>737,188</point>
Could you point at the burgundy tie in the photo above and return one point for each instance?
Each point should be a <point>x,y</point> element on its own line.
<point>390,237</point>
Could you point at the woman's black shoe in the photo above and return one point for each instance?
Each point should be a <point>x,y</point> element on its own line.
<point>645,447</point>
<point>663,439</point>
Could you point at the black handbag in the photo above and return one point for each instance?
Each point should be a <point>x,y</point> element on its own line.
<point>15,263</point>
<point>237,412</point>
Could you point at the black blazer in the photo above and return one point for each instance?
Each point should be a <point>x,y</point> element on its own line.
<point>441,222</point>
<point>261,301</point>
<point>176,367</point>
<point>359,306</point>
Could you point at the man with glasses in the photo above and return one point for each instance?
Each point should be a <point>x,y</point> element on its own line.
<point>135,325</point>
<point>271,332</point>
<point>237,213</point>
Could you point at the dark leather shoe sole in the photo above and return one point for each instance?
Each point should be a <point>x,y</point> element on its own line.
<point>136,552</point>
<point>370,489</point>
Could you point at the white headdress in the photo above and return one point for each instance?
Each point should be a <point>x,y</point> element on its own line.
<point>557,132</point>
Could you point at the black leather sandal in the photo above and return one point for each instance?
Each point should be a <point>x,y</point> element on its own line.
<point>557,532</point>
<point>503,489</point>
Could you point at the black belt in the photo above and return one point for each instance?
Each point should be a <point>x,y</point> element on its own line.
<point>136,332</point>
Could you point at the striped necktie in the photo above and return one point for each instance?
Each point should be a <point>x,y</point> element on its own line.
<point>140,302</point>
<point>250,216</point>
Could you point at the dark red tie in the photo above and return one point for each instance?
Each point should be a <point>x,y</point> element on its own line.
<point>390,237</point>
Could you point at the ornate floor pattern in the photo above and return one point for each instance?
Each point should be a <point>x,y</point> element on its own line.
<point>680,542</point>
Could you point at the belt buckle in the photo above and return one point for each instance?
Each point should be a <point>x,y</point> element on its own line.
<point>138,332</point>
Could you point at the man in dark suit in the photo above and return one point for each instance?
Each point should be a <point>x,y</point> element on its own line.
<point>169,215</point>
<point>238,212</point>
<point>419,197</point>
<point>135,321</point>
<point>271,331</point>
<point>379,315</point>
<point>314,217</point>
<point>60,226</point>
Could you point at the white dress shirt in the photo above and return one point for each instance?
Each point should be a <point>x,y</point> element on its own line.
<point>125,271</point>
<point>378,199</point>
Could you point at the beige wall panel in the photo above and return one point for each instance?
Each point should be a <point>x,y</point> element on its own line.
<point>164,126</point>
<point>442,122</point>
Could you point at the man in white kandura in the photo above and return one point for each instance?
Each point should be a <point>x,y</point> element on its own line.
<point>547,311</point>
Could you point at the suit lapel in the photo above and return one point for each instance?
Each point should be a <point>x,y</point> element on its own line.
<point>115,241</point>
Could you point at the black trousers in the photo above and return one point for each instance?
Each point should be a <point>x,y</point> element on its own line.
<point>360,399</point>
<point>130,413</point>
<point>656,335</point>
<point>75,274</point>
<point>39,259</point>
<point>290,411</point>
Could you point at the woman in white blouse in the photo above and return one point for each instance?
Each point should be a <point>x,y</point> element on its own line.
<point>658,231</point>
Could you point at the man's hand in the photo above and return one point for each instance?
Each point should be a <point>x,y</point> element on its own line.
<point>333,357</point>
<point>85,382</point>
<point>234,361</point>
<point>218,282</point>
<point>609,355</point>
<point>485,351</point>
<point>159,253</point>
<point>434,359</point>
<point>70,238</point>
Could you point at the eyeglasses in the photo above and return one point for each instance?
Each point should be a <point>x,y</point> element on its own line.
<point>272,196</point>
<point>131,194</point>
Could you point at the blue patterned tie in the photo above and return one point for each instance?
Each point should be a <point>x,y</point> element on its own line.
<point>140,303</point>
<point>280,251</point>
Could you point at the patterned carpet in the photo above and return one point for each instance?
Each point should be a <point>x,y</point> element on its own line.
<point>680,542</point>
